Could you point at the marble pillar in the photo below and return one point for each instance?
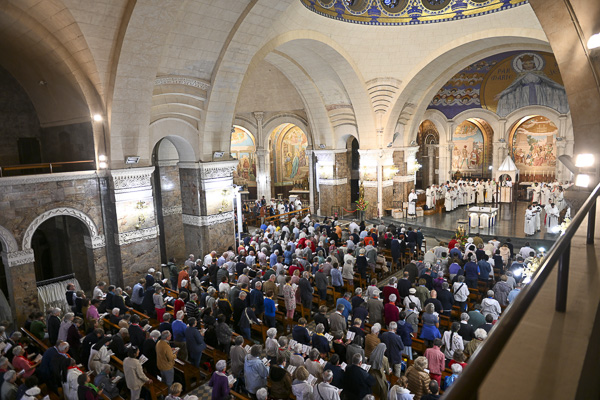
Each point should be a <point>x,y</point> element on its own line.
<point>333,180</point>
<point>263,174</point>
<point>207,204</point>
<point>170,210</point>
<point>138,231</point>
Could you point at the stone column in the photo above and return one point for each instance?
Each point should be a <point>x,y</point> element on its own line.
<point>170,210</point>
<point>138,231</point>
<point>561,146</point>
<point>207,204</point>
<point>370,176</point>
<point>96,251</point>
<point>311,180</point>
<point>333,180</point>
<point>263,174</point>
<point>431,157</point>
<point>21,282</point>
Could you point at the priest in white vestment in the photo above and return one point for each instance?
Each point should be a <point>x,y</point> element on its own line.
<point>412,203</point>
<point>536,193</point>
<point>488,192</point>
<point>538,216</point>
<point>552,216</point>
<point>430,196</point>
<point>529,221</point>
<point>480,191</point>
<point>448,201</point>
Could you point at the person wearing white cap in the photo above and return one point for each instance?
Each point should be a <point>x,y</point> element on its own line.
<point>9,389</point>
<point>411,298</point>
<point>31,393</point>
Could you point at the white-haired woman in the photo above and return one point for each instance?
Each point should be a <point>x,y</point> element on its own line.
<point>480,336</point>
<point>449,380</point>
<point>431,323</point>
<point>271,344</point>
<point>66,323</point>
<point>219,382</point>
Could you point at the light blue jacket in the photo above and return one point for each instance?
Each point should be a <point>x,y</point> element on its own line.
<point>255,374</point>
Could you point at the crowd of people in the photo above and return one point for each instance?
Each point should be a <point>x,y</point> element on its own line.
<point>353,343</point>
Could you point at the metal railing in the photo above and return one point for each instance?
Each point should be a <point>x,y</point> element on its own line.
<point>49,166</point>
<point>467,386</point>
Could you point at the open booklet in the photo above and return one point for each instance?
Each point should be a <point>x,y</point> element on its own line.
<point>350,335</point>
<point>311,380</point>
<point>343,366</point>
<point>366,367</point>
<point>230,379</point>
<point>143,359</point>
<point>291,369</point>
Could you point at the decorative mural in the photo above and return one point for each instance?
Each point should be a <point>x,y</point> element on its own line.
<point>244,150</point>
<point>533,146</point>
<point>468,148</point>
<point>406,12</point>
<point>291,163</point>
<point>503,83</point>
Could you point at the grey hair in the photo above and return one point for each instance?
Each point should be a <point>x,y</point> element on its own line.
<point>283,341</point>
<point>258,284</point>
<point>481,334</point>
<point>180,314</point>
<point>490,293</point>
<point>358,291</point>
<point>298,348</point>
<point>327,376</point>
<point>340,307</point>
<point>17,350</point>
<point>376,328</point>
<point>261,394</point>
<point>63,346</point>
<point>243,294</point>
<point>116,311</point>
<point>156,334</point>
<point>464,317</point>
<point>221,365</point>
<point>393,326</point>
<point>272,332</point>
<point>393,280</point>
<point>356,359</point>
<point>392,298</point>
<point>165,335</point>
<point>421,362</point>
<point>445,285</point>
<point>68,316</point>
<point>320,328</point>
<point>456,369</point>
<point>255,350</point>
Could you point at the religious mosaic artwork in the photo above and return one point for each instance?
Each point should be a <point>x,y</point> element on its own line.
<point>503,83</point>
<point>406,12</point>
<point>293,154</point>
<point>533,146</point>
<point>468,148</point>
<point>243,149</point>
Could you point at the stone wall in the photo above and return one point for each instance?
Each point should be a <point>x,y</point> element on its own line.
<point>68,143</point>
<point>18,118</point>
<point>137,258</point>
<point>171,209</point>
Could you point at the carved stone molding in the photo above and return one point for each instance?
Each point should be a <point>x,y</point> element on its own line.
<point>219,169</point>
<point>92,229</point>
<point>132,178</point>
<point>327,156</point>
<point>333,182</point>
<point>167,163</point>
<point>43,178</point>
<point>16,258</point>
<point>207,220</point>
<point>370,184</point>
<point>404,178</point>
<point>94,242</point>
<point>387,183</point>
<point>182,80</point>
<point>174,210</point>
<point>9,244</point>
<point>136,236</point>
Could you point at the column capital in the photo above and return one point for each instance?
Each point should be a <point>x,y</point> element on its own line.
<point>259,115</point>
<point>326,156</point>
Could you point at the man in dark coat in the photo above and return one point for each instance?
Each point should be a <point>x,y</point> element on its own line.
<point>136,333</point>
<point>53,325</point>
<point>357,382</point>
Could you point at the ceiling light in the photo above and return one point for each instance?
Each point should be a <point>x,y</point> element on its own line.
<point>102,165</point>
<point>582,180</point>
<point>98,118</point>
<point>102,158</point>
<point>594,41</point>
<point>584,160</point>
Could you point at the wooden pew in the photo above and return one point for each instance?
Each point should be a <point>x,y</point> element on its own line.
<point>156,388</point>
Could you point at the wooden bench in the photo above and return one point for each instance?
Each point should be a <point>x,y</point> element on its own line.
<point>156,388</point>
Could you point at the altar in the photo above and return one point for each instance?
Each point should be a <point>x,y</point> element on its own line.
<point>482,217</point>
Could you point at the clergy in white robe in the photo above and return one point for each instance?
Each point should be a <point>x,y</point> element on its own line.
<point>430,197</point>
<point>448,201</point>
<point>538,216</point>
<point>454,199</point>
<point>544,194</point>
<point>552,217</point>
<point>488,192</point>
<point>480,192</point>
<point>536,193</point>
<point>559,199</point>
<point>412,203</point>
<point>529,221</point>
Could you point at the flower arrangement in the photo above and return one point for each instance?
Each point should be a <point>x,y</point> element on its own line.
<point>531,267</point>
<point>562,228</point>
<point>362,204</point>
<point>461,236</point>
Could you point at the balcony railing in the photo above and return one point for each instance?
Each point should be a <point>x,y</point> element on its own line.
<point>467,386</point>
<point>44,166</point>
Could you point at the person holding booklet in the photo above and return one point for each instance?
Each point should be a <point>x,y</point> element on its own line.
<point>220,382</point>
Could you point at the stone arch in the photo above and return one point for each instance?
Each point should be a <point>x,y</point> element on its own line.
<point>285,118</point>
<point>97,240</point>
<point>180,133</point>
<point>9,243</point>
<point>550,113</point>
<point>427,77</point>
<point>490,117</point>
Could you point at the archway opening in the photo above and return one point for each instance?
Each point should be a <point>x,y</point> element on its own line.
<point>168,197</point>
<point>243,149</point>
<point>532,144</point>
<point>59,249</point>
<point>428,140</point>
<point>472,152</point>
<point>289,162</point>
